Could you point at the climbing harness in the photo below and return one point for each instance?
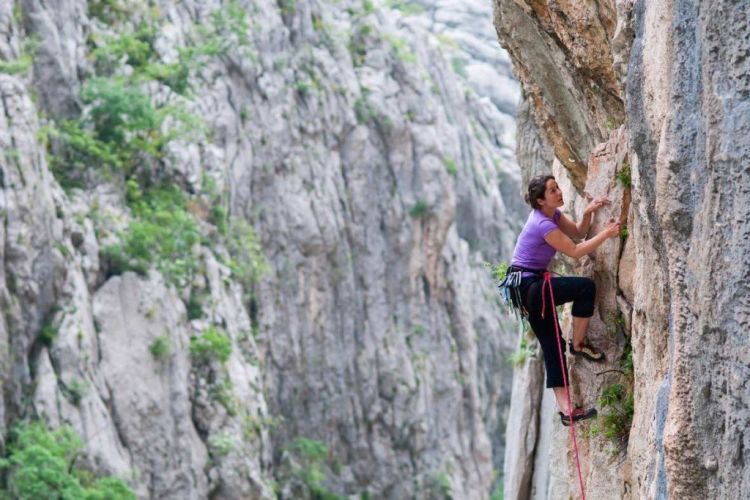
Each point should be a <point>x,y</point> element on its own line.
<point>510,289</point>
<point>547,284</point>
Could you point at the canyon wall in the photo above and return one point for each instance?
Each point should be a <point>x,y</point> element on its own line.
<point>646,102</point>
<point>311,309</point>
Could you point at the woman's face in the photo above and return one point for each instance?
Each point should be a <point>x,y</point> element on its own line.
<point>553,197</point>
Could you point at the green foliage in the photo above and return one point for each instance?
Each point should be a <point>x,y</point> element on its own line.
<point>231,20</point>
<point>408,8</point>
<point>160,347</point>
<point>444,485</point>
<point>499,271</point>
<point>311,449</point>
<point>212,344</point>
<point>312,454</point>
<point>624,233</point>
<point>368,7</point>
<point>523,352</point>
<point>363,109</point>
<point>623,175</point>
<point>459,66</point>
<point>627,361</point>
<point>219,218</point>
<point>194,305</point>
<point>358,44</point>
<point>108,11</point>
<point>162,233</point>
<point>123,128</point>
<point>288,7</point>
<point>401,47</point>
<point>617,404</point>
<point>16,67</point>
<point>497,493</point>
<point>122,114</point>
<point>221,444</point>
<point>450,166</point>
<point>223,393</point>
<point>248,264</point>
<point>75,391</point>
<point>42,464</point>
<point>24,60</point>
<point>48,334</point>
<point>419,210</point>
<point>134,48</point>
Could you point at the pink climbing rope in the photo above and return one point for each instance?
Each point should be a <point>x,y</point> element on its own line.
<point>548,284</point>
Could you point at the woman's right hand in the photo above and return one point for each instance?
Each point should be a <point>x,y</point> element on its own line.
<point>613,228</point>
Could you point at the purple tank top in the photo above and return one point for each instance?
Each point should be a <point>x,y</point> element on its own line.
<point>532,252</point>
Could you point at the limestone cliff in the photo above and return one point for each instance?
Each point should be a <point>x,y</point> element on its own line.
<point>646,102</point>
<point>237,233</point>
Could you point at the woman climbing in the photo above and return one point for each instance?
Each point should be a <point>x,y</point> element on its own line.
<point>546,232</point>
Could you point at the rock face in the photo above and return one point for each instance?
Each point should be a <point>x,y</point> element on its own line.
<point>377,182</point>
<point>674,287</point>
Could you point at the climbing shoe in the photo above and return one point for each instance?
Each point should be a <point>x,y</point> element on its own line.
<point>587,351</point>
<point>578,414</point>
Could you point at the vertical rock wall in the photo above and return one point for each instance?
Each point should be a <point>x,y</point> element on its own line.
<point>376,180</point>
<point>678,278</point>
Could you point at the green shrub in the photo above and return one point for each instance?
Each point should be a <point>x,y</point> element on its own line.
<point>401,47</point>
<point>407,7</point>
<point>160,347</point>
<point>42,464</point>
<point>623,175</point>
<point>75,391</point>
<point>248,264</point>
<point>24,60</point>
<point>223,393</point>
<point>194,305</point>
<point>162,232</point>
<point>288,7</point>
<point>617,406</point>
<point>48,334</point>
<point>459,66</point>
<point>499,271</point>
<point>311,449</point>
<point>122,114</point>
<point>17,66</point>
<point>497,493</point>
<point>312,454</point>
<point>221,444</point>
<point>523,352</point>
<point>419,209</point>
<point>134,48</point>
<point>450,166</point>
<point>107,11</point>
<point>212,344</point>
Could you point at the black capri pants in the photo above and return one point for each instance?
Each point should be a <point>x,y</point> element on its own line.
<point>581,291</point>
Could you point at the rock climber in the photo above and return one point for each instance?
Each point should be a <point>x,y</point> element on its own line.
<point>546,232</point>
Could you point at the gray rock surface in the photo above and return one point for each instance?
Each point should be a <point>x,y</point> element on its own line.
<point>677,281</point>
<point>378,187</point>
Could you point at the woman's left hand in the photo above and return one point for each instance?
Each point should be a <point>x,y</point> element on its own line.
<point>595,203</point>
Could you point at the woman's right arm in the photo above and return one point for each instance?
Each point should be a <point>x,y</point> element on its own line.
<point>560,242</point>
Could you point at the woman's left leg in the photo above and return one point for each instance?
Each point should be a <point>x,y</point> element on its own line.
<point>582,292</point>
